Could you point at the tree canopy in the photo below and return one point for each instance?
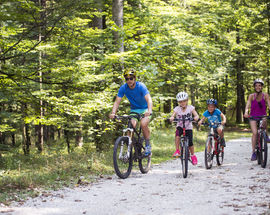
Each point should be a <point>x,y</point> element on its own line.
<point>61,65</point>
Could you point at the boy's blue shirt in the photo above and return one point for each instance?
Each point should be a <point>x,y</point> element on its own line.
<point>135,96</point>
<point>214,117</point>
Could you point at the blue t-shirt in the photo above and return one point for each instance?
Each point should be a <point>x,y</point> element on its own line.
<point>135,96</point>
<point>214,117</point>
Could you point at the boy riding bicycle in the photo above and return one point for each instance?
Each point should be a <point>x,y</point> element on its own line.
<point>140,102</point>
<point>214,115</point>
<point>187,110</point>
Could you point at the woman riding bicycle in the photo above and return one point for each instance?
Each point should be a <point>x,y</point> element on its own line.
<point>140,102</point>
<point>214,115</point>
<point>187,110</point>
<point>257,103</point>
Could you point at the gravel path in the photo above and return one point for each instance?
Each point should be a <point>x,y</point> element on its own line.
<point>239,186</point>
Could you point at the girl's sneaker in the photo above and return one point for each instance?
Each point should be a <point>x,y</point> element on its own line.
<point>177,153</point>
<point>194,160</point>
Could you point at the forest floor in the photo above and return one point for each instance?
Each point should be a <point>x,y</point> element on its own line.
<point>239,186</point>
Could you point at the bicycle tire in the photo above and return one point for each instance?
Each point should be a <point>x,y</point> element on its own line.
<point>122,162</point>
<point>258,149</point>
<point>208,153</point>
<point>144,162</point>
<point>184,158</point>
<point>264,150</point>
<point>220,155</point>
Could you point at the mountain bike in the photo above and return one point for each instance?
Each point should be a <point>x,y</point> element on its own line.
<point>184,146</point>
<point>213,146</point>
<point>123,155</point>
<point>261,140</point>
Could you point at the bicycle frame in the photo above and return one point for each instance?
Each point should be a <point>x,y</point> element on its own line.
<point>123,155</point>
<point>215,136</point>
<point>183,138</point>
<point>261,139</point>
<point>129,133</point>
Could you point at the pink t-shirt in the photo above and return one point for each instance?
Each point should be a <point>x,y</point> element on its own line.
<point>188,113</point>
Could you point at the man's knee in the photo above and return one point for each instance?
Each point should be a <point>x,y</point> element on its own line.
<point>144,123</point>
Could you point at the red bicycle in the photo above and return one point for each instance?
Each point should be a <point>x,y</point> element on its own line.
<point>213,146</point>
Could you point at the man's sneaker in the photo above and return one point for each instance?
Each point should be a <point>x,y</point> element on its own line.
<point>147,150</point>
<point>177,153</point>
<point>254,156</point>
<point>194,160</point>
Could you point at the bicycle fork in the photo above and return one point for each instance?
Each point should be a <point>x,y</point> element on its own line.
<point>129,132</point>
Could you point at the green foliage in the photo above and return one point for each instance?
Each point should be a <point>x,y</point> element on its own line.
<point>57,59</point>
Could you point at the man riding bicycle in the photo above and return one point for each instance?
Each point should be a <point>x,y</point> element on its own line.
<point>140,102</point>
<point>257,102</point>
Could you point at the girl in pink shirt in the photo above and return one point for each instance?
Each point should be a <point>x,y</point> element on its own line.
<point>183,109</point>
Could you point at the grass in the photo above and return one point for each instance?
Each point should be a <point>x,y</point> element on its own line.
<point>22,176</point>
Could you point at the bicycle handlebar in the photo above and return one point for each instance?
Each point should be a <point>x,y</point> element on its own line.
<point>211,124</point>
<point>130,116</point>
<point>185,119</point>
<point>258,118</point>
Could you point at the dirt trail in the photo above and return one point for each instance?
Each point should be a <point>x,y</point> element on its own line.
<point>237,187</point>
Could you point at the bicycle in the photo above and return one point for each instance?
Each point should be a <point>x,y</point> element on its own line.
<point>261,140</point>
<point>184,146</point>
<point>213,146</point>
<point>122,153</point>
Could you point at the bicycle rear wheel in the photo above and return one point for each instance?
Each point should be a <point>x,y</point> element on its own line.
<point>264,150</point>
<point>209,153</point>
<point>122,157</point>
<point>144,161</point>
<point>220,155</point>
<point>184,158</point>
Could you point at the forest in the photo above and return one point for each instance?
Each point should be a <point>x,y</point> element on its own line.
<point>62,63</point>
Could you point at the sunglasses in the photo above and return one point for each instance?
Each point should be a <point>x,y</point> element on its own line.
<point>131,78</point>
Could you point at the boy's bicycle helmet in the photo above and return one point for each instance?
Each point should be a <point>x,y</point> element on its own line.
<point>182,96</point>
<point>211,102</point>
<point>129,72</point>
<point>258,80</point>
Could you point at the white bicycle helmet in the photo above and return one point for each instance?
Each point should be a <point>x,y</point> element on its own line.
<point>258,80</point>
<point>182,96</point>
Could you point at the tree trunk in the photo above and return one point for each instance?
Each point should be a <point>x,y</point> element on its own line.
<point>117,16</point>
<point>25,135</point>
<point>240,92</point>
<point>98,21</point>
<point>66,133</point>
<point>40,142</point>
<point>13,140</point>
<point>192,94</point>
<point>79,137</point>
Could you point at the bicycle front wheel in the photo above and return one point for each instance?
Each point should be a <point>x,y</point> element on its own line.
<point>264,150</point>
<point>184,158</point>
<point>220,155</point>
<point>122,157</point>
<point>258,149</point>
<point>209,153</point>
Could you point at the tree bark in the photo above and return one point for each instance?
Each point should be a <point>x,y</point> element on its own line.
<point>117,16</point>
<point>240,93</point>
<point>66,133</point>
<point>79,136</point>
